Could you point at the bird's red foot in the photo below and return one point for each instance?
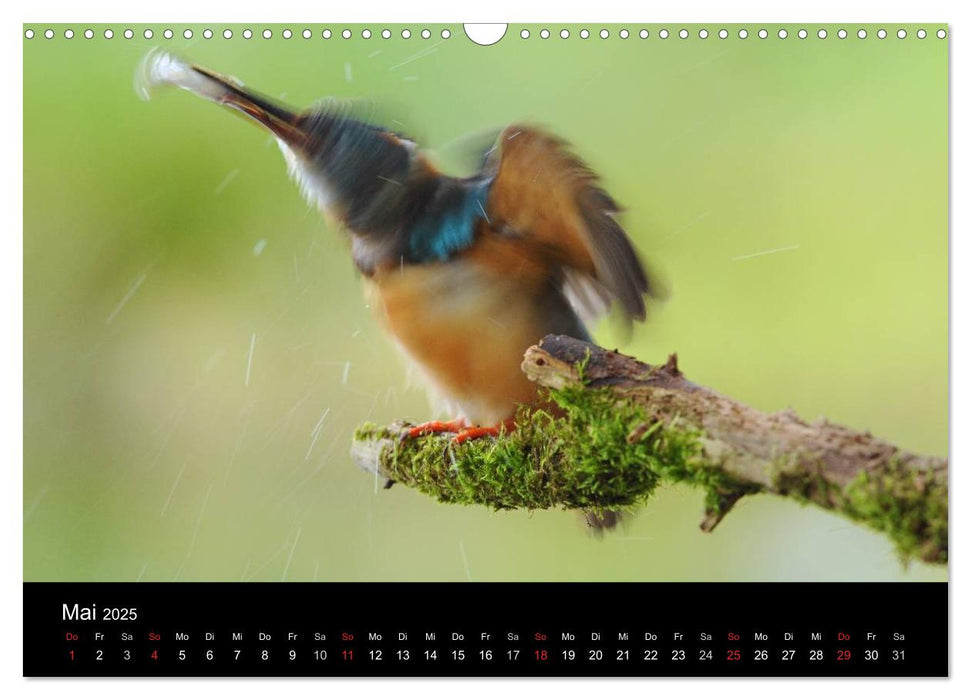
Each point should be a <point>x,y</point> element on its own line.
<point>437,426</point>
<point>506,426</point>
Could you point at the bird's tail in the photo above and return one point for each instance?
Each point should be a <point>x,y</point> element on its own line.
<point>601,521</point>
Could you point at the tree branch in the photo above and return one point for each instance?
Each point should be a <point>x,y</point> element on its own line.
<point>621,426</point>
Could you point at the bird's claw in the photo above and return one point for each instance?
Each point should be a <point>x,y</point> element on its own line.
<point>463,432</point>
<point>474,433</point>
<point>435,427</point>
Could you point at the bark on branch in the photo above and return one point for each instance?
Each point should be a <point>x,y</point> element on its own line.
<point>625,425</point>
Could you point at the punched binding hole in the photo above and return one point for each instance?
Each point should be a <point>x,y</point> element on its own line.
<point>486,34</point>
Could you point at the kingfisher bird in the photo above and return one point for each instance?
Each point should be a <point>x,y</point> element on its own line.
<point>466,273</point>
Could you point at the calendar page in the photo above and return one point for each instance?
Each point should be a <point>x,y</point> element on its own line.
<point>492,350</point>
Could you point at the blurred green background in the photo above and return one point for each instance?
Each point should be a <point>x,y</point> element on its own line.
<point>189,321</point>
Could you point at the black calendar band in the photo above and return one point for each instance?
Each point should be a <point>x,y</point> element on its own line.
<point>486,629</point>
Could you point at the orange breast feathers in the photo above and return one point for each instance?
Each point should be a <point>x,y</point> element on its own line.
<point>465,323</point>
<point>547,244</point>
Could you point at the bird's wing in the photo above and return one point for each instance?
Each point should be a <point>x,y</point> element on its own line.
<point>544,195</point>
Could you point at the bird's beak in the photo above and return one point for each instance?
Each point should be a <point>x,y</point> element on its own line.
<point>160,68</point>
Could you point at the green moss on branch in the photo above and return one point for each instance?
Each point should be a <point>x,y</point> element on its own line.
<point>620,433</point>
<point>594,457</point>
<point>601,454</point>
<point>908,505</point>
